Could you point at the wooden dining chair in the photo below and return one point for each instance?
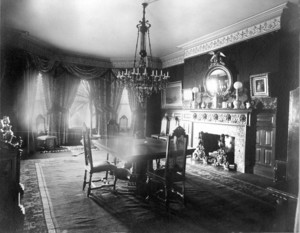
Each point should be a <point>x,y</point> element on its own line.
<point>112,131</point>
<point>171,176</point>
<point>93,166</point>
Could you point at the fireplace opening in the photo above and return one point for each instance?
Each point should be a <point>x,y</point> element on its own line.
<point>215,149</point>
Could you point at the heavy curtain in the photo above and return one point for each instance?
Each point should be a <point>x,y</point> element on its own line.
<point>61,82</point>
<point>60,91</point>
<point>116,90</point>
<point>26,104</point>
<point>98,96</point>
<point>106,94</point>
<point>137,111</point>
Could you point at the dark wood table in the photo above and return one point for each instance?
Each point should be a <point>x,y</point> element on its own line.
<point>135,151</point>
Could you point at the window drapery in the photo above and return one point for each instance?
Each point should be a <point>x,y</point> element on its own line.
<point>60,93</point>
<point>116,90</point>
<point>26,103</point>
<point>137,111</point>
<point>105,93</point>
<point>84,72</point>
<point>98,89</point>
<point>60,90</point>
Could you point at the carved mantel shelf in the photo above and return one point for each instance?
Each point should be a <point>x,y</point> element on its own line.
<point>240,117</point>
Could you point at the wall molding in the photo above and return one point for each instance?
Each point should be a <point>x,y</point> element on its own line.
<point>260,24</point>
<point>236,37</point>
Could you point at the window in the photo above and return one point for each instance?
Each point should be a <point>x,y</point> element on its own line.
<point>40,111</point>
<point>124,108</point>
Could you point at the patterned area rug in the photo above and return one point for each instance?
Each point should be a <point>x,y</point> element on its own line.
<point>32,201</point>
<point>216,202</point>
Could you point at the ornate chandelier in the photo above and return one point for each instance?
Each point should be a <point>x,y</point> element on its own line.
<point>143,77</point>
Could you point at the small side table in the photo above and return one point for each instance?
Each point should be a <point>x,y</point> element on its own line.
<point>47,142</point>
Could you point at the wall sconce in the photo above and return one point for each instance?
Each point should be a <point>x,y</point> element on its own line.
<point>237,103</point>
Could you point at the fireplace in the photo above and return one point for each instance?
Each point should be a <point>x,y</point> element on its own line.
<point>232,122</point>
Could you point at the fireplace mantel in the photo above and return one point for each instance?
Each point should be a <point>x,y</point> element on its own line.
<point>232,122</point>
<point>220,116</point>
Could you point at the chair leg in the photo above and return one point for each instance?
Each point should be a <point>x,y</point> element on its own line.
<point>183,193</point>
<point>157,163</point>
<point>148,188</point>
<point>84,180</point>
<point>166,196</point>
<point>106,175</point>
<point>90,183</point>
<point>115,182</point>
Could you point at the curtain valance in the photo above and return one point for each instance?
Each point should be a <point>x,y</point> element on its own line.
<point>42,64</point>
<point>83,72</point>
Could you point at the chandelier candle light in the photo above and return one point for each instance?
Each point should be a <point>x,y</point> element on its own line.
<point>142,77</point>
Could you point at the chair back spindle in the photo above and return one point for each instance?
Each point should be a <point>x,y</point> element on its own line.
<point>87,146</point>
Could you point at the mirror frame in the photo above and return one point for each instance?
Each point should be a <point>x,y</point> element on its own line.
<point>212,69</point>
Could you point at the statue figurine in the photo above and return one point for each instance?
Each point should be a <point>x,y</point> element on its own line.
<point>8,134</point>
<point>5,129</point>
<point>221,156</point>
<point>199,153</point>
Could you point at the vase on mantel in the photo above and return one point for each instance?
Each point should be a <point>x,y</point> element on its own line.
<point>236,104</point>
<point>194,104</point>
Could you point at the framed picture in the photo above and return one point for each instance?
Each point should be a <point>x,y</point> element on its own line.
<point>172,95</point>
<point>259,85</point>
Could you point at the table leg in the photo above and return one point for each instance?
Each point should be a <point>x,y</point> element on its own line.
<point>139,177</point>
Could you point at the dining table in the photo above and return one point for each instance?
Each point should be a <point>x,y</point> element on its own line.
<point>135,151</point>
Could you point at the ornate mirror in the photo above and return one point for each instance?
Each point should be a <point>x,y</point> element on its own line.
<point>218,81</point>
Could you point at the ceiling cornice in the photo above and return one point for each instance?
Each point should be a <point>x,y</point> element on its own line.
<point>173,59</point>
<point>24,41</point>
<point>265,22</point>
